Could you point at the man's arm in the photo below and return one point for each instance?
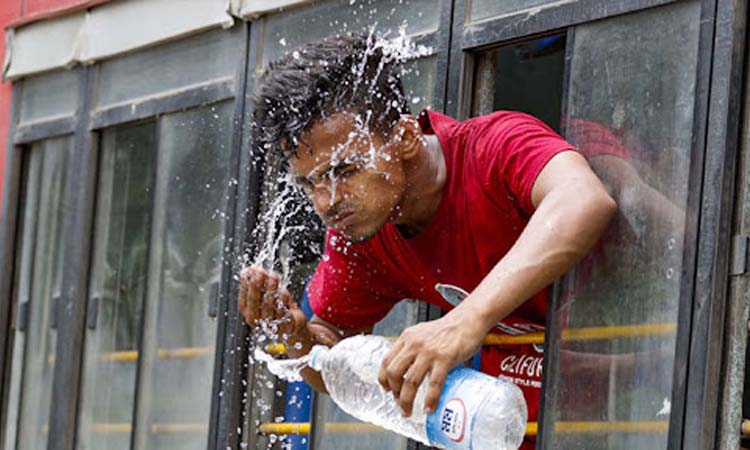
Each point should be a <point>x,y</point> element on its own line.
<point>572,210</point>
<point>324,333</point>
<point>262,302</point>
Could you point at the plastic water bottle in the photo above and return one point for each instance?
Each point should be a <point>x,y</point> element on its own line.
<point>475,411</point>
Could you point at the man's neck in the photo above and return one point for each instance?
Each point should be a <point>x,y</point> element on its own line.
<point>426,175</point>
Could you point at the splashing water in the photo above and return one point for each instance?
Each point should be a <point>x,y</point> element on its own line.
<point>287,369</point>
<point>285,227</point>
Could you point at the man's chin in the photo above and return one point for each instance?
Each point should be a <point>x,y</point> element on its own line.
<point>357,236</point>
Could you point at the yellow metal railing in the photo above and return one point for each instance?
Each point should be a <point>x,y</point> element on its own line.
<point>570,334</point>
<point>153,428</point>
<point>531,427</point>
<point>163,353</point>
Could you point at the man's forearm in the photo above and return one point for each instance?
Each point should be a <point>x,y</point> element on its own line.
<point>564,227</point>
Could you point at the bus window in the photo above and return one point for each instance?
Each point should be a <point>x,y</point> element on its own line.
<point>526,77</point>
<point>615,320</point>
<point>46,202</point>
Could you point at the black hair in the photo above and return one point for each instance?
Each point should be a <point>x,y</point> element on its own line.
<point>354,72</point>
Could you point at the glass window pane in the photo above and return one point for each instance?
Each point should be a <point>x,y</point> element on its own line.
<point>288,30</point>
<point>185,263</point>
<point>186,63</point>
<point>284,32</point>
<point>328,417</point>
<point>419,83</point>
<point>118,286</point>
<point>49,96</point>
<point>39,286</point>
<point>630,111</point>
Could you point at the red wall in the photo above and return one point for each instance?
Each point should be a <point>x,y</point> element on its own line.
<point>10,10</point>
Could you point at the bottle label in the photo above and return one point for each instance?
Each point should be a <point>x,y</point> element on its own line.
<point>450,425</point>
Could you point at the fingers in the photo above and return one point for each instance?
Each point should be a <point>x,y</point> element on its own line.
<point>438,374</point>
<point>396,368</point>
<point>270,306</point>
<point>412,379</point>
<point>249,294</point>
<point>260,297</point>
<point>383,374</point>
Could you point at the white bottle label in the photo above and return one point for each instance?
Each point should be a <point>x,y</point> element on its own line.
<point>450,425</point>
<point>453,419</point>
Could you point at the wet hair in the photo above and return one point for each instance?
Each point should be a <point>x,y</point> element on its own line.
<point>355,72</point>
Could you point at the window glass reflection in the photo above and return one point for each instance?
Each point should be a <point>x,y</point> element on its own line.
<point>185,263</point>
<point>45,205</point>
<point>336,429</point>
<point>635,128</point>
<point>286,31</point>
<point>118,286</point>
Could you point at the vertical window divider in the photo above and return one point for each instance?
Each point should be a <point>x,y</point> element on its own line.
<point>233,421</point>
<point>226,406</point>
<point>8,234</point>
<point>701,351</point>
<point>677,417</point>
<point>72,310</point>
<point>458,65</point>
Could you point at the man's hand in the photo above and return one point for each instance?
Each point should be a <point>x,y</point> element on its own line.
<point>266,305</point>
<point>433,348</point>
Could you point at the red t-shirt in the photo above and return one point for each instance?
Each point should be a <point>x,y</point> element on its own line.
<point>492,163</point>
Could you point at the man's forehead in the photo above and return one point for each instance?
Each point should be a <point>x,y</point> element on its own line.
<point>331,140</point>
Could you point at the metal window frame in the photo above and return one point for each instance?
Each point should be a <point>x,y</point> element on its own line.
<point>707,309</point>
<point>251,174</point>
<point>63,415</point>
<point>8,233</point>
<point>19,136</point>
<point>231,362</point>
<point>718,88</point>
<point>552,17</point>
<point>85,126</point>
<point>734,381</point>
<point>710,205</point>
<point>250,179</point>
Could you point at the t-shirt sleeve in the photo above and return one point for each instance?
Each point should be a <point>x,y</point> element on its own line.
<point>512,150</point>
<point>341,291</point>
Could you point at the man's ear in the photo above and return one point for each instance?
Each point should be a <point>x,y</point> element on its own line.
<point>410,140</point>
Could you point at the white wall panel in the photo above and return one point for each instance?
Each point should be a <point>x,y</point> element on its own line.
<point>106,31</point>
<point>124,26</point>
<point>250,9</point>
<point>43,46</point>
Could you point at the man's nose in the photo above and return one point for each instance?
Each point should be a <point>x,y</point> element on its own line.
<point>324,199</point>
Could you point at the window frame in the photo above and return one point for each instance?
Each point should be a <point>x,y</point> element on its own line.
<point>716,122</point>
<point>85,126</point>
<point>439,39</point>
<point>711,203</point>
<point>19,139</point>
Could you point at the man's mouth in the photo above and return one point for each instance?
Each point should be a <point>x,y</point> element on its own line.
<point>342,220</point>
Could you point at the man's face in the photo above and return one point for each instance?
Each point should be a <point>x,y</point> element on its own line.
<point>353,177</point>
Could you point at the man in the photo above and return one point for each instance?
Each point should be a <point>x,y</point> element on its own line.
<point>498,206</point>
